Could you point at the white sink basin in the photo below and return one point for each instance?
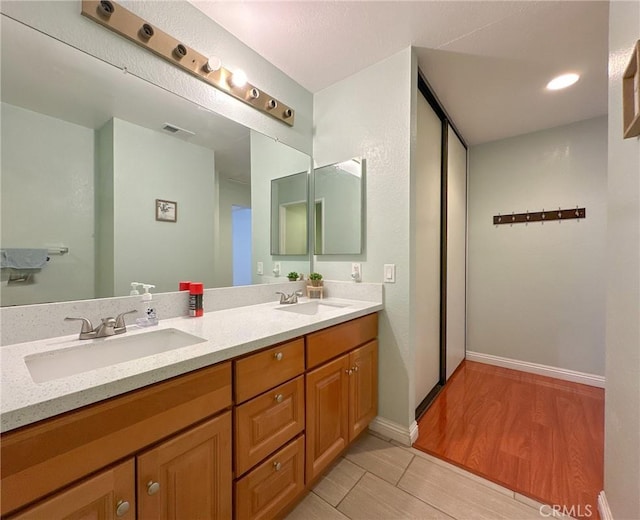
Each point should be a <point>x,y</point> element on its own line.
<point>104,352</point>
<point>311,308</point>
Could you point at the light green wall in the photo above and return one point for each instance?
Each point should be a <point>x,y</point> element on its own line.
<point>622,392</point>
<point>271,160</point>
<point>351,122</point>
<point>47,200</point>
<point>150,165</point>
<point>342,220</point>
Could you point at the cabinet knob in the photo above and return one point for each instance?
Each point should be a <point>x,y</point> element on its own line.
<point>152,487</point>
<point>122,508</point>
<point>278,398</point>
<point>277,466</point>
<point>278,356</point>
<point>355,368</point>
<point>348,371</point>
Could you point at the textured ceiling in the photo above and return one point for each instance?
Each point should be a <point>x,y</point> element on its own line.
<point>487,61</point>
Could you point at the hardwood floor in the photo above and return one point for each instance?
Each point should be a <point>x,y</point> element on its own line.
<point>539,436</point>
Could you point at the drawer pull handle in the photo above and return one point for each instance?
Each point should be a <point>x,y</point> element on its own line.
<point>122,508</point>
<point>278,398</point>
<point>152,487</point>
<point>277,466</point>
<point>278,356</point>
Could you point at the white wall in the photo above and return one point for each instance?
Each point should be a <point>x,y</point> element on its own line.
<point>350,121</point>
<point>62,20</point>
<point>47,200</point>
<point>536,292</point>
<point>271,160</point>
<point>622,393</point>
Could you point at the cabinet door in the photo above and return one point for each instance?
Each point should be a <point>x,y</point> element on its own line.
<point>108,495</point>
<point>188,476</point>
<point>363,388</point>
<point>327,425</point>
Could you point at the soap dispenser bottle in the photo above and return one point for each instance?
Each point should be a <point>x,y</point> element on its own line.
<point>134,288</point>
<point>148,311</point>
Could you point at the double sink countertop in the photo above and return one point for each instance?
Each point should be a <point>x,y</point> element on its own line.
<point>222,335</point>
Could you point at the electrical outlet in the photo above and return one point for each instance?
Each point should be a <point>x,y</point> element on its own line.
<point>356,272</point>
<point>260,268</point>
<point>276,268</point>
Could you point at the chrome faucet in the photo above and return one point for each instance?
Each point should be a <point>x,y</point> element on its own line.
<point>289,298</point>
<point>109,326</point>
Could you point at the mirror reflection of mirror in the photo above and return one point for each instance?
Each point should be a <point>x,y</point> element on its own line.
<point>338,211</point>
<point>87,150</point>
<point>289,215</point>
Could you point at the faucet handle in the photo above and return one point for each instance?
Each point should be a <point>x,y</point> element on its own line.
<point>299,293</point>
<point>283,296</point>
<point>120,323</point>
<point>86,324</point>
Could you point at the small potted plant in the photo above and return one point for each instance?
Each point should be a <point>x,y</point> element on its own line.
<point>293,276</point>
<point>316,279</point>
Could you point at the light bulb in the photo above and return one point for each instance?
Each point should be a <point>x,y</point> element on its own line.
<point>239,78</point>
<point>213,64</point>
<point>564,81</point>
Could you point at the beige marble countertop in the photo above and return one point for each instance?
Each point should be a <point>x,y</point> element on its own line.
<point>226,334</point>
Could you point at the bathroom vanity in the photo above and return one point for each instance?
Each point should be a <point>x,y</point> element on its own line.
<point>238,428</point>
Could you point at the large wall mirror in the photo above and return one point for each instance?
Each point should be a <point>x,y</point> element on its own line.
<point>339,208</point>
<point>88,150</point>
<point>289,215</point>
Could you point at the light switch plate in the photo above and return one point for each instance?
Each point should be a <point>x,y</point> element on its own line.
<point>389,274</point>
<point>260,268</point>
<point>276,268</point>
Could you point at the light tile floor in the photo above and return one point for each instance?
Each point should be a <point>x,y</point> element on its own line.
<point>378,479</point>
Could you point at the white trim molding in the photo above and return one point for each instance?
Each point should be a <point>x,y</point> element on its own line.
<point>395,431</point>
<point>535,368</point>
<point>603,507</point>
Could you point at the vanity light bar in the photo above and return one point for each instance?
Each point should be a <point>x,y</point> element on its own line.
<point>118,19</point>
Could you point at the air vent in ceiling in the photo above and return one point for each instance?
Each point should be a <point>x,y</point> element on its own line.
<point>176,130</point>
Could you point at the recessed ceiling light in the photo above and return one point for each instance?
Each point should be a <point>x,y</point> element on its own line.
<point>564,81</point>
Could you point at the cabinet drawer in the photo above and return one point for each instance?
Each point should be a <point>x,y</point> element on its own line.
<point>329,343</point>
<point>266,422</point>
<point>46,456</point>
<point>273,485</point>
<point>259,372</point>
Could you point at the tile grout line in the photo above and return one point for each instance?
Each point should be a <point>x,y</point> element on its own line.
<point>413,456</point>
<point>347,493</point>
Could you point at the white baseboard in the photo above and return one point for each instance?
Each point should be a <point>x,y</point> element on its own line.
<point>603,507</point>
<point>535,368</point>
<point>395,431</point>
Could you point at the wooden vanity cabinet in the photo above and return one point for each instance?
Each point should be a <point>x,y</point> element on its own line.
<point>342,394</point>
<point>268,423</point>
<point>177,449</point>
<point>109,495</point>
<point>54,455</point>
<point>188,476</point>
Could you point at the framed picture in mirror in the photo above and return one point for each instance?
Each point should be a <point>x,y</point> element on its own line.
<point>166,210</point>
